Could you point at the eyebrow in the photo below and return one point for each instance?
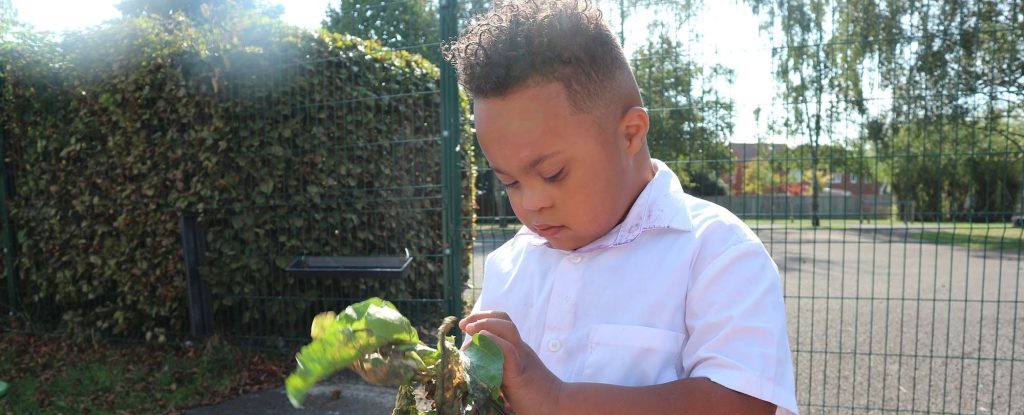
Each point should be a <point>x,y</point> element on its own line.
<point>533,163</point>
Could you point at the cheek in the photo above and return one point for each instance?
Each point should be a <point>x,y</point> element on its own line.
<point>513,199</point>
<point>599,205</point>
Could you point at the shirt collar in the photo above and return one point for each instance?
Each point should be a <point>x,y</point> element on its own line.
<point>661,205</point>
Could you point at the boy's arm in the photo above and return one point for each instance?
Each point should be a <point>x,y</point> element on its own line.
<point>532,389</point>
<point>684,396</point>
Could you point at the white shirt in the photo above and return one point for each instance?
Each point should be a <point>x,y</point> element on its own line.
<point>681,288</point>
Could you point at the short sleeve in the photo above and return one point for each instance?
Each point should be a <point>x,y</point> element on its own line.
<point>736,320</point>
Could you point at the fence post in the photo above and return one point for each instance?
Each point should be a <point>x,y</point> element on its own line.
<point>6,192</point>
<point>451,180</point>
<point>199,305</point>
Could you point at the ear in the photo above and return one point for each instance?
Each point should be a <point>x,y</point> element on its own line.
<point>633,127</point>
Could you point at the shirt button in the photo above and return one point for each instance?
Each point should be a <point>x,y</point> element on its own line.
<point>575,259</point>
<point>554,345</point>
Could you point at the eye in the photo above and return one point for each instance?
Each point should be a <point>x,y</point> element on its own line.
<point>555,177</point>
<point>512,185</point>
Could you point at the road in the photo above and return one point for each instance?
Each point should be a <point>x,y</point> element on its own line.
<point>881,322</point>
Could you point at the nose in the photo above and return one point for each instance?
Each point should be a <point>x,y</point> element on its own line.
<point>535,199</point>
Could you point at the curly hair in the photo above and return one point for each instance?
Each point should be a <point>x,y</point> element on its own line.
<point>526,42</point>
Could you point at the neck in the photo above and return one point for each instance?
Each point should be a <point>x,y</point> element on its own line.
<point>644,173</point>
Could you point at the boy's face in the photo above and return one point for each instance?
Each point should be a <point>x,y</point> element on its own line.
<point>567,174</point>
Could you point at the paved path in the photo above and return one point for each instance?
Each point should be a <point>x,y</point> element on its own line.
<point>879,319</point>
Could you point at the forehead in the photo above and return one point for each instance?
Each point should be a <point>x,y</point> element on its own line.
<point>530,122</point>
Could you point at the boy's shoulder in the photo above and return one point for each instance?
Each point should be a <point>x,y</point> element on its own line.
<point>705,214</point>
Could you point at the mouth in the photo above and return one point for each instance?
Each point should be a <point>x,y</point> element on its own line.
<point>547,231</point>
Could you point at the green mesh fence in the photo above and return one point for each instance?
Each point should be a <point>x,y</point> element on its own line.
<point>888,190</point>
<point>896,226</point>
<point>396,211</point>
<point>288,147</point>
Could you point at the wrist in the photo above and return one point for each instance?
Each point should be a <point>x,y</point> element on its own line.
<point>557,397</point>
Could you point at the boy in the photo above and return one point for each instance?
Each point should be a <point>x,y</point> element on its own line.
<point>621,294</point>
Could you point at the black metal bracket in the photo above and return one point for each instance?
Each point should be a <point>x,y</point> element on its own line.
<point>389,267</point>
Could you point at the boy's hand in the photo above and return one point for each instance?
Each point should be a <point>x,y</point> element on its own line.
<point>527,384</point>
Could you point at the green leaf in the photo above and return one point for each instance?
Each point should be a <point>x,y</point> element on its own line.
<point>267,185</point>
<point>3,389</point>
<point>483,362</point>
<point>321,323</point>
<point>358,331</point>
<point>386,322</point>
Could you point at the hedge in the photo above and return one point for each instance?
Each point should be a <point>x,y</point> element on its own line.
<point>283,142</point>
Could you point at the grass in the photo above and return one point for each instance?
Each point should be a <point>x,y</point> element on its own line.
<point>976,238</point>
<point>55,376</point>
<point>976,235</point>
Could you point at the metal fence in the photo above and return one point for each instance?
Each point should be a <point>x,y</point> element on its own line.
<point>900,261</point>
<point>401,211</point>
<point>901,270</point>
<point>340,158</point>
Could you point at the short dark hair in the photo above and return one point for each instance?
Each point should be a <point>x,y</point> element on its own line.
<point>521,41</point>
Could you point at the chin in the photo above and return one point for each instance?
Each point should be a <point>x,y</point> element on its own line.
<point>566,245</point>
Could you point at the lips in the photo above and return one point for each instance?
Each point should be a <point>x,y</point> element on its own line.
<point>547,231</point>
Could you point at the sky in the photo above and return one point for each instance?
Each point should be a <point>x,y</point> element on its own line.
<point>729,36</point>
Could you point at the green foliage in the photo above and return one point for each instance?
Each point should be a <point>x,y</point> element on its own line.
<point>339,341</point>
<point>761,176</point>
<point>689,121</point>
<point>483,364</point>
<point>953,69</point>
<point>196,9</point>
<point>381,345</point>
<point>955,172</point>
<point>400,24</point>
<point>53,375</point>
<point>285,143</point>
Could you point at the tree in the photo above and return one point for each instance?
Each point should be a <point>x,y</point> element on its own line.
<point>937,60</point>
<point>762,176</point>
<point>690,122</point>
<point>810,76</point>
<point>400,24</point>
<point>850,159</point>
<point>195,8</point>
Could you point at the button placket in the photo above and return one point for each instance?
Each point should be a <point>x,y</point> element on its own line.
<point>562,307</point>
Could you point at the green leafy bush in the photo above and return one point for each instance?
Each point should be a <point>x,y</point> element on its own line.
<point>373,339</point>
<point>284,143</point>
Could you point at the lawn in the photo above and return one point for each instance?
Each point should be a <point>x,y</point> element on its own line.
<point>977,238</point>
<point>978,235</point>
<point>48,375</point>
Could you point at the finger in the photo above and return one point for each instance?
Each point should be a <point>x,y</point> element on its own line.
<point>482,314</point>
<point>505,329</point>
